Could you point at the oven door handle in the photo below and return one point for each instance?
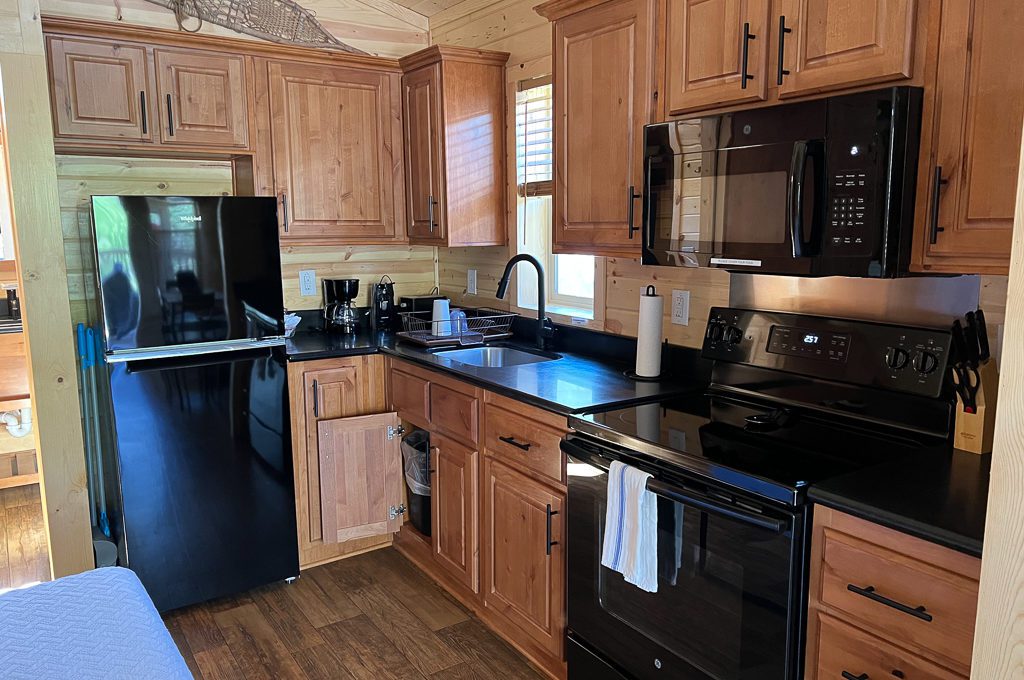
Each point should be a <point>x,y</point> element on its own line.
<point>672,493</point>
<point>686,498</point>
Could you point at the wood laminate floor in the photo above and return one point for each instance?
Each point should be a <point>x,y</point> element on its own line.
<point>23,551</point>
<point>370,617</point>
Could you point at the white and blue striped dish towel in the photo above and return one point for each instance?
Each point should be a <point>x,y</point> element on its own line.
<point>631,527</point>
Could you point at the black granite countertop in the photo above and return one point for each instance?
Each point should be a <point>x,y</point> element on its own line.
<point>575,383</point>
<point>940,496</point>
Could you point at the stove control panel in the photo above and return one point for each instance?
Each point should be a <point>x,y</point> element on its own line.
<point>886,356</point>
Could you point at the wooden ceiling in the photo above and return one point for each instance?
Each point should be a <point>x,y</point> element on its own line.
<point>429,8</point>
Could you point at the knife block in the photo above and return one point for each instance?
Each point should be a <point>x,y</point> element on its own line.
<point>974,431</point>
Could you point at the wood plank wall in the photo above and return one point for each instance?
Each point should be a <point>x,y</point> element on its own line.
<point>80,177</point>
<point>379,27</point>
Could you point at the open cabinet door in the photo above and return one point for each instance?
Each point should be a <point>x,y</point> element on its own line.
<point>360,476</point>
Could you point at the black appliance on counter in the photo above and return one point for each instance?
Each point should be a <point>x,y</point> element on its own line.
<point>819,188</point>
<point>193,326</point>
<point>794,399</point>
<point>383,316</point>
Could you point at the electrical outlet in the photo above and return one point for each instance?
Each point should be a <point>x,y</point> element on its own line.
<point>471,282</point>
<point>681,307</point>
<point>307,282</point>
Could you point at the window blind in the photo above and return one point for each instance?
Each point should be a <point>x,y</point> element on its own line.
<point>534,138</point>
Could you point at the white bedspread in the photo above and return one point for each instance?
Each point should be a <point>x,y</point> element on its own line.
<point>98,624</point>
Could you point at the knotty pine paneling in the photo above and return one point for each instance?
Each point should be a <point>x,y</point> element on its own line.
<point>379,27</point>
<point>411,268</point>
<point>507,25</point>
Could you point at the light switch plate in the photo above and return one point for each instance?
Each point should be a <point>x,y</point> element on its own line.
<point>471,282</point>
<point>681,307</point>
<point>307,282</point>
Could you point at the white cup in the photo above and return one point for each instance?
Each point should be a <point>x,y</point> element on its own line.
<point>441,318</point>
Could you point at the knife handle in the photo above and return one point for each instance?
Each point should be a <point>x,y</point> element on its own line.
<point>983,346</point>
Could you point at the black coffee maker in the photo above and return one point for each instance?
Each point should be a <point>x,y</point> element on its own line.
<point>383,316</point>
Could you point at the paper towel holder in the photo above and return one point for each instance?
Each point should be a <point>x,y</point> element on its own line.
<point>632,374</point>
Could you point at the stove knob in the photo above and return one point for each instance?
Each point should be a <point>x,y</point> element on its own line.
<point>925,362</point>
<point>733,335</point>
<point>714,332</point>
<point>896,357</point>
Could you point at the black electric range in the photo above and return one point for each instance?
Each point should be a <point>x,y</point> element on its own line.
<point>793,400</point>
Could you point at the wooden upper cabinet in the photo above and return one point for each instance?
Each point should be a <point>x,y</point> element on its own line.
<point>99,90</point>
<point>202,98</point>
<point>454,105</point>
<point>360,476</point>
<point>524,574</point>
<point>453,510</point>
<point>836,44</point>
<point>337,170</point>
<point>421,102</point>
<point>717,53</point>
<point>603,96</point>
<point>979,110</point>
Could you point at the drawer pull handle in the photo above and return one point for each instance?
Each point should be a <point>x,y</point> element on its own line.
<point>847,675</point>
<point>513,442</point>
<point>550,513</point>
<point>869,592</point>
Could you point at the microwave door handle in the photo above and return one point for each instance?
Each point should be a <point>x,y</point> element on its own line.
<point>795,196</point>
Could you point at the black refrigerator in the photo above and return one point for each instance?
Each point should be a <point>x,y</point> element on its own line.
<point>190,290</point>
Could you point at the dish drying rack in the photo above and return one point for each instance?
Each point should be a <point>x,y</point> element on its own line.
<point>481,325</point>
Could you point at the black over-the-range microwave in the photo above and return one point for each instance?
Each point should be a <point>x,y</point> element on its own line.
<point>817,188</point>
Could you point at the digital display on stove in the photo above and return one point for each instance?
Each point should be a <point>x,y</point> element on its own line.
<point>801,342</point>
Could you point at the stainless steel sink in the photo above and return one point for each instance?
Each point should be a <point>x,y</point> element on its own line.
<point>495,357</point>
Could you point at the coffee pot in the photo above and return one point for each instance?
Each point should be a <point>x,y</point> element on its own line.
<point>339,307</point>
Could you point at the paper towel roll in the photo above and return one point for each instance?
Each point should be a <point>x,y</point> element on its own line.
<point>648,340</point>
<point>441,318</point>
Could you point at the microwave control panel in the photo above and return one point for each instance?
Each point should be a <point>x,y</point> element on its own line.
<point>903,358</point>
<point>849,213</point>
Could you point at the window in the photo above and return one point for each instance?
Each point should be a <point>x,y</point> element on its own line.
<point>570,278</point>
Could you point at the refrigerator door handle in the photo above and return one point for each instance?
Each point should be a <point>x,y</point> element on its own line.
<point>195,349</point>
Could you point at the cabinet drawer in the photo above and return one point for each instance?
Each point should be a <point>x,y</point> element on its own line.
<point>899,597</point>
<point>523,442</point>
<point>454,413</point>
<point>410,396</point>
<point>844,648</point>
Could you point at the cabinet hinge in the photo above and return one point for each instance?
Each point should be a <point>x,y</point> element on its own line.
<point>394,512</point>
<point>395,431</point>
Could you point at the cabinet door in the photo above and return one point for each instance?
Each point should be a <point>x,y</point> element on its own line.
<point>453,510</point>
<point>421,94</point>
<point>202,98</point>
<point>711,45</point>
<point>979,110</point>
<point>360,476</point>
<point>336,169</point>
<point>331,394</point>
<point>100,90</point>
<point>603,98</point>
<point>524,562</point>
<point>843,43</point>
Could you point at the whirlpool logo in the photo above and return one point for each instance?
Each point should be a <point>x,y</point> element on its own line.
<point>191,218</point>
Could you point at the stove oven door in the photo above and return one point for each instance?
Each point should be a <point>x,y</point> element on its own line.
<point>730,597</point>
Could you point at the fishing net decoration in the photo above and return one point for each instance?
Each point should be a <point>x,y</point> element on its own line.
<point>281,21</point>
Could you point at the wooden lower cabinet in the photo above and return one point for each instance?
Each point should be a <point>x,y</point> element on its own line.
<point>453,509</point>
<point>492,503</point>
<point>885,604</point>
<point>337,515</point>
<point>523,555</point>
